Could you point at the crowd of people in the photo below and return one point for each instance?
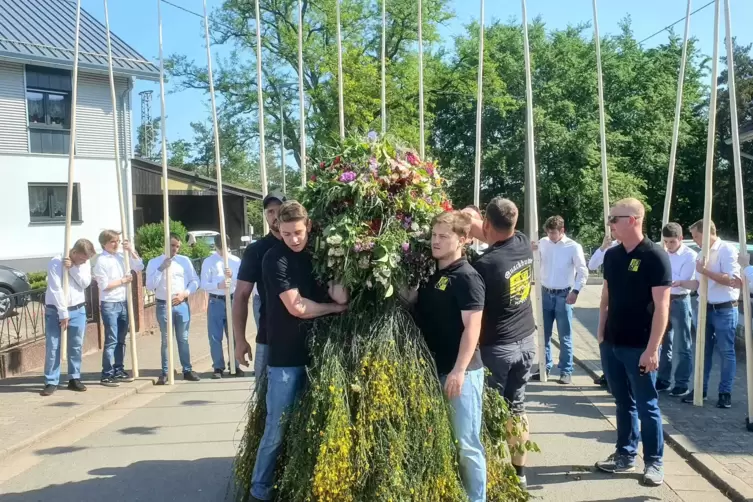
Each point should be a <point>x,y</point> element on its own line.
<point>475,312</point>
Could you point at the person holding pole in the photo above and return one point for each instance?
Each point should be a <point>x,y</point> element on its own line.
<point>113,281</point>
<point>183,282</point>
<point>720,269</point>
<point>633,318</point>
<point>597,259</point>
<point>213,278</point>
<point>66,313</point>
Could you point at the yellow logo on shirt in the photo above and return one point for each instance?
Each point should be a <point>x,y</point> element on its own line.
<point>442,283</point>
<point>634,264</point>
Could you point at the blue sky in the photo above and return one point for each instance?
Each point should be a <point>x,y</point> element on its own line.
<point>136,22</point>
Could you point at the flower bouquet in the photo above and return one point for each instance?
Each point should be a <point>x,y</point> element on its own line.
<point>373,423</point>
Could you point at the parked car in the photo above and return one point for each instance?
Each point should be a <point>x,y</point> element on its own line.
<point>205,236</point>
<point>12,282</point>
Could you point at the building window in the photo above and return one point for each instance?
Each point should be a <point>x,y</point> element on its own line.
<point>48,98</point>
<point>47,202</point>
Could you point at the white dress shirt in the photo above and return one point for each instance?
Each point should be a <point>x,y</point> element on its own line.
<point>213,273</point>
<point>722,260</point>
<point>111,267</point>
<point>80,276</point>
<point>683,267</point>
<point>182,277</point>
<point>597,259</point>
<point>562,264</point>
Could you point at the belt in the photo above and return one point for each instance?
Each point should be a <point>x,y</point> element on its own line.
<point>722,306</point>
<point>70,309</point>
<point>163,301</point>
<point>556,291</point>
<point>678,297</point>
<point>219,297</point>
<point>693,294</point>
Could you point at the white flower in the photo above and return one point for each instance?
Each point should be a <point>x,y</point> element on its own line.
<point>331,252</point>
<point>331,262</point>
<point>363,262</point>
<point>339,251</point>
<point>369,284</point>
<point>334,240</point>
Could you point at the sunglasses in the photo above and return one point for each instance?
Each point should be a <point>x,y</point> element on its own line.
<point>615,219</point>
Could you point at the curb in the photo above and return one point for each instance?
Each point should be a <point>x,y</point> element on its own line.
<point>702,463</point>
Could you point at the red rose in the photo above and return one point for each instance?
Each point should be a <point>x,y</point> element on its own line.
<point>321,165</point>
<point>313,177</point>
<point>337,159</point>
<point>447,205</point>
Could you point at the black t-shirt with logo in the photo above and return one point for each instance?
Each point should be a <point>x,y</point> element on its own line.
<point>630,278</point>
<point>250,271</point>
<point>283,270</point>
<point>507,270</point>
<point>449,291</point>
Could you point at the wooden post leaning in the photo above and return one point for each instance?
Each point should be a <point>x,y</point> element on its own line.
<point>479,111</point>
<point>260,99</point>
<point>301,94</point>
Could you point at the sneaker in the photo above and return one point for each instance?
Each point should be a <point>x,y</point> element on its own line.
<point>679,392</point>
<point>536,377</point>
<point>566,379</point>
<point>662,386</point>
<point>601,381</point>
<point>523,483</point>
<point>122,376</point>
<point>162,380</point>
<point>689,398</point>
<point>76,385</point>
<point>725,400</point>
<point>217,374</point>
<point>239,373</point>
<point>653,475</point>
<point>616,464</point>
<point>48,390</point>
<point>109,382</point>
<point>191,376</point>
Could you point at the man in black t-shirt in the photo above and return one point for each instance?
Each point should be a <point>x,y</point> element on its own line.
<point>249,275</point>
<point>292,295</point>
<point>448,310</point>
<point>507,328</point>
<point>633,318</point>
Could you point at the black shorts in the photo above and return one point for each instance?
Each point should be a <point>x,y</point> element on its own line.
<point>510,367</point>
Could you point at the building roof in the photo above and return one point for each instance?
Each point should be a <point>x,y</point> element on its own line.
<point>42,32</point>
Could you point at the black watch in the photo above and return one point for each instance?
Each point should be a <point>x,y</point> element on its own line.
<point>575,291</point>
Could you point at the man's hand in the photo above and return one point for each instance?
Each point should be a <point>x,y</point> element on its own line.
<point>180,298</point>
<point>228,273</point>
<point>606,243</point>
<point>243,353</point>
<point>736,282</point>
<point>599,336</point>
<point>67,263</point>
<point>338,308</point>
<point>571,298</point>
<point>126,279</point>
<point>534,245</point>
<point>650,360</point>
<point>165,264</point>
<point>64,323</point>
<point>700,266</point>
<point>339,293</point>
<point>454,383</point>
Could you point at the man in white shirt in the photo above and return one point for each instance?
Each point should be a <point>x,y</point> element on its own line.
<point>214,277</point>
<point>113,281</point>
<point>183,282</point>
<point>720,268</point>
<point>597,259</point>
<point>563,275</point>
<point>676,347</point>
<point>66,313</point>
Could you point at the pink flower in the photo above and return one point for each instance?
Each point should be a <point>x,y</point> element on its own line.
<point>406,247</point>
<point>412,159</point>
<point>347,177</point>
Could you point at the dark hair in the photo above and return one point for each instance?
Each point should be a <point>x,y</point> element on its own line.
<point>502,214</point>
<point>698,227</point>
<point>175,236</point>
<point>218,240</point>
<point>672,230</point>
<point>555,222</point>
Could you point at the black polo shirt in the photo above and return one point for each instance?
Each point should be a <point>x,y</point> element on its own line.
<point>440,303</point>
<point>507,270</point>
<point>630,278</point>
<point>283,270</point>
<point>250,271</point>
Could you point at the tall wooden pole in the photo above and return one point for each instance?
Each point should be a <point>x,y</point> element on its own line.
<point>479,111</point>
<point>301,94</point>
<point>71,177</point>
<point>220,202</point>
<point>384,67</point>
<point>340,98</point>
<point>165,207</point>
<point>121,197</point>
<point>421,134</point>
<point>531,198</point>
<point>260,99</point>
<point>602,123</point>
<point>700,345</point>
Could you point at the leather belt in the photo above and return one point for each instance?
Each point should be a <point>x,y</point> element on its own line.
<point>722,306</point>
<point>70,309</point>
<point>220,297</point>
<point>678,297</point>
<point>556,291</point>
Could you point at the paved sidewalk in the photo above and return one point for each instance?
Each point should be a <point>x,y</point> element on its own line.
<point>715,441</point>
<point>26,417</point>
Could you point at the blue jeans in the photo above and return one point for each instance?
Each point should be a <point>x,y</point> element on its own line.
<point>257,310</point>
<point>637,400</point>
<point>261,357</point>
<point>217,329</point>
<point>76,330</point>
<point>115,319</point>
<point>181,323</point>
<point>284,384</point>
<point>677,347</point>
<point>721,326</point>
<point>466,427</point>
<point>555,309</point>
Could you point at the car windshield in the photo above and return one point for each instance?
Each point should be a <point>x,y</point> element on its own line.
<point>206,239</point>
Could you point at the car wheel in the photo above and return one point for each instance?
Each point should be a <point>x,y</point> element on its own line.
<point>5,302</point>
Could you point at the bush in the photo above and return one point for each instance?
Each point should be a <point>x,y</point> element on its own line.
<point>150,238</point>
<point>200,250</point>
<point>38,280</point>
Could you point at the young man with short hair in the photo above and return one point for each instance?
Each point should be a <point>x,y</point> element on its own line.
<point>508,345</point>
<point>633,318</point>
<point>113,281</point>
<point>66,313</point>
<point>292,296</point>
<point>678,341</point>
<point>448,309</point>
<point>183,282</point>
<point>214,280</point>
<point>563,276</point>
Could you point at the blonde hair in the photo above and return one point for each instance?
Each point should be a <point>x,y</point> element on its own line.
<point>634,204</point>
<point>459,222</point>
<point>698,227</point>
<point>106,236</point>
<point>84,246</point>
<point>292,211</point>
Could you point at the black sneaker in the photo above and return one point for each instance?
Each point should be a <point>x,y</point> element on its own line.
<point>122,376</point>
<point>48,390</point>
<point>689,398</point>
<point>76,385</point>
<point>662,386</point>
<point>191,376</point>
<point>725,400</point>
<point>601,381</point>
<point>679,392</point>
<point>162,380</point>
<point>537,376</point>
<point>217,374</point>
<point>565,379</point>
<point>239,373</point>
<point>109,382</point>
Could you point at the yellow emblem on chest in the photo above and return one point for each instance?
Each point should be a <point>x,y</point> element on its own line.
<point>634,264</point>
<point>442,283</point>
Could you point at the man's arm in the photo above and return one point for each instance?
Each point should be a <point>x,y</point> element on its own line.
<point>603,312</point>
<point>82,274</point>
<point>581,270</point>
<point>687,278</point>
<point>477,226</point>
<point>192,279</point>
<point>154,275</point>
<point>55,286</point>
<point>729,268</point>
<point>304,308</point>
<point>240,308</point>
<point>206,276</point>
<point>469,339</point>
<point>596,259</point>
<point>660,319</point>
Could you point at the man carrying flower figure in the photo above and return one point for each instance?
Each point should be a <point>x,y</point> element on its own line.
<point>448,311</point>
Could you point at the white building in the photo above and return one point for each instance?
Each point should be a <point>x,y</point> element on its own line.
<point>36,61</point>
